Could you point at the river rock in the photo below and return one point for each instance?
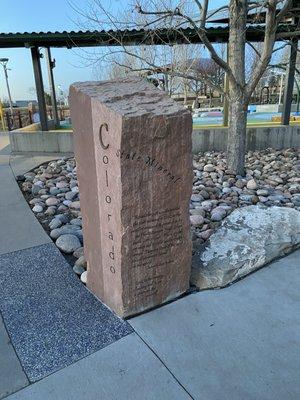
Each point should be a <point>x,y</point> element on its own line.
<point>54,191</point>
<point>252,185</point>
<point>75,205</point>
<point>196,220</point>
<point>55,223</point>
<point>70,195</point>
<point>83,277</point>
<point>68,243</point>
<point>78,252</point>
<point>218,214</point>
<point>35,189</point>
<point>50,210</point>
<point>76,221</point>
<point>248,238</point>
<point>62,217</point>
<point>20,178</point>
<point>62,184</point>
<point>78,269</point>
<point>81,262</point>
<point>37,208</point>
<point>208,168</point>
<point>262,192</point>
<point>52,201</point>
<point>196,197</point>
<point>66,229</point>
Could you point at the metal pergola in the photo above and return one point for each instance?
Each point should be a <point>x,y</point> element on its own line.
<point>34,41</point>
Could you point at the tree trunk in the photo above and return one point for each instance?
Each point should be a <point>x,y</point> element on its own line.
<point>237,106</point>
<point>236,142</point>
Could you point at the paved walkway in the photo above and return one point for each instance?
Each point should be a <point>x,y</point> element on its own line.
<point>57,341</point>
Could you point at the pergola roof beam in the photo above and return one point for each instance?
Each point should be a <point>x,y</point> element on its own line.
<point>255,33</point>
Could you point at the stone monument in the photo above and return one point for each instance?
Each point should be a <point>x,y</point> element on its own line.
<point>134,166</point>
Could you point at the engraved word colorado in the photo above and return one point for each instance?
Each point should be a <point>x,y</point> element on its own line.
<point>108,232</point>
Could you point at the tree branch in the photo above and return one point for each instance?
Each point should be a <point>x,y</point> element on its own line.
<point>202,36</point>
<point>284,10</point>
<point>168,71</point>
<point>204,14</point>
<point>254,49</point>
<point>269,40</point>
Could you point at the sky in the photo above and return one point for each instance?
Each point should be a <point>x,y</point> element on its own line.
<point>48,15</point>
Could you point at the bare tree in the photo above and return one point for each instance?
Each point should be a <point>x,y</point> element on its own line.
<point>154,14</point>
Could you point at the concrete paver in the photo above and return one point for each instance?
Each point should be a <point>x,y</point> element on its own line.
<point>241,342</point>
<point>10,193</point>
<point>126,369</point>
<point>12,377</point>
<point>4,144</point>
<point>19,229</point>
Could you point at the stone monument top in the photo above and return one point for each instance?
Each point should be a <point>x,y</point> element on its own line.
<point>130,96</point>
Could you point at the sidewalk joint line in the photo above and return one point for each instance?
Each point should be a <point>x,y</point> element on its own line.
<point>167,368</point>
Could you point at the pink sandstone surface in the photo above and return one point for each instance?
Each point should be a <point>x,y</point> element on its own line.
<point>134,166</point>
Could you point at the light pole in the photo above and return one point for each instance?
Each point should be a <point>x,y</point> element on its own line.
<point>3,62</point>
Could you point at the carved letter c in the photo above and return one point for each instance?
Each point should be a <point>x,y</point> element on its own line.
<point>100,136</point>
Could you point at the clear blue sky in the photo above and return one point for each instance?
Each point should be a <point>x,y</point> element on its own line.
<point>46,15</point>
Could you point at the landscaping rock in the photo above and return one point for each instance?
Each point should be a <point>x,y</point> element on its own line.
<point>79,252</point>
<point>83,277</point>
<point>78,269</point>
<point>252,185</point>
<point>75,205</point>
<point>63,218</point>
<point>68,243</point>
<point>81,262</point>
<point>55,223</point>
<point>196,220</point>
<point>54,191</point>
<point>249,238</point>
<point>52,201</point>
<point>76,221</point>
<point>66,229</point>
<point>37,208</point>
<point>209,168</point>
<point>62,184</point>
<point>35,189</point>
<point>20,178</point>
<point>50,211</point>
<point>197,198</point>
<point>70,195</point>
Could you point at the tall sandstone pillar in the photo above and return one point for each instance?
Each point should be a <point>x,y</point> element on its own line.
<point>134,166</point>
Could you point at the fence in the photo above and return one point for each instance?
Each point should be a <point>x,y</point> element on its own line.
<point>23,116</point>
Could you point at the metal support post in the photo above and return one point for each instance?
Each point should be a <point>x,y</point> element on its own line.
<point>35,54</point>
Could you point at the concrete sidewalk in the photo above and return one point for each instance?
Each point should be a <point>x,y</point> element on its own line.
<point>57,341</point>
<point>241,342</point>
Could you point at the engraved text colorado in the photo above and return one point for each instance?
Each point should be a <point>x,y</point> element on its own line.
<point>103,130</point>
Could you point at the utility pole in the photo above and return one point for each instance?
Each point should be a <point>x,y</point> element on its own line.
<point>3,62</point>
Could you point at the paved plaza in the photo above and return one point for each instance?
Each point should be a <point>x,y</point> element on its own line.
<point>57,341</point>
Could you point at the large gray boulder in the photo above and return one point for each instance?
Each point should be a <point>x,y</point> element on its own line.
<point>248,238</point>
